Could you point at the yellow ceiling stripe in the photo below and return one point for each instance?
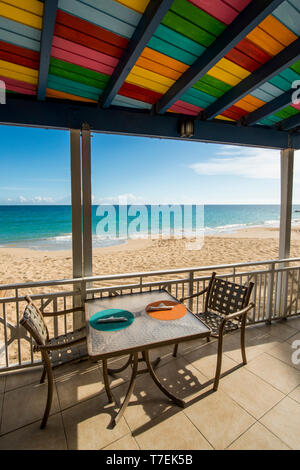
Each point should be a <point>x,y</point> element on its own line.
<point>137,5</point>
<point>233,68</point>
<point>145,83</point>
<point>155,77</point>
<point>21,16</point>
<point>266,42</point>
<point>224,76</point>
<point>33,6</point>
<point>223,118</point>
<point>18,76</point>
<point>277,30</point>
<point>19,69</point>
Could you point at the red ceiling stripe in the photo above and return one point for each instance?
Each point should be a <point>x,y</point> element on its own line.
<point>180,110</point>
<point>249,48</point>
<point>239,5</point>
<point>85,52</point>
<point>16,59</point>
<point>90,29</point>
<point>218,9</point>
<point>87,41</point>
<point>296,106</point>
<point>81,61</point>
<point>33,55</point>
<point>139,93</point>
<point>188,106</point>
<point>234,112</point>
<point>243,60</point>
<point>18,86</point>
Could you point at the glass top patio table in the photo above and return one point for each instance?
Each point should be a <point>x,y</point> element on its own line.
<point>145,332</point>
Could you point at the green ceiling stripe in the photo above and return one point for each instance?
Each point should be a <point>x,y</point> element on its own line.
<point>286,112</point>
<point>189,30</point>
<point>77,69</point>
<point>198,17</point>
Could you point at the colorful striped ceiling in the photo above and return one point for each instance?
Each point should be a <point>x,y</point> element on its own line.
<point>91,36</point>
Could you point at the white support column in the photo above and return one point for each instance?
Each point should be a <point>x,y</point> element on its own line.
<point>87,202</point>
<point>287,173</point>
<point>76,216</point>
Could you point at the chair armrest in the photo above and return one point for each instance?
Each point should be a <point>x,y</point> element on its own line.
<point>62,312</point>
<point>194,295</point>
<point>49,347</point>
<point>239,313</point>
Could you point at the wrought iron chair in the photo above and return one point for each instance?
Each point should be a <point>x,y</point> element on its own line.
<point>56,351</point>
<point>226,309</point>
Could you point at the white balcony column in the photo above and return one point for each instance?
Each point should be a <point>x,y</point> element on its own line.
<point>75,147</point>
<point>86,202</point>
<point>287,173</point>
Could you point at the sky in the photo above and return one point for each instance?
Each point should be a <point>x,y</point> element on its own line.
<point>35,169</point>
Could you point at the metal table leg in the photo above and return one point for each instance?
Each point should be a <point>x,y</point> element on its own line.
<point>156,380</point>
<point>130,389</point>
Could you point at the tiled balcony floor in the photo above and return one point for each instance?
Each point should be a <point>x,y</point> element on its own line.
<point>256,407</point>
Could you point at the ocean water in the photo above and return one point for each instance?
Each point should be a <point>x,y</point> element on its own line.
<point>49,227</point>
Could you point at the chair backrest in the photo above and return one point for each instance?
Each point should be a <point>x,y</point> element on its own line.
<point>227,297</point>
<point>34,322</point>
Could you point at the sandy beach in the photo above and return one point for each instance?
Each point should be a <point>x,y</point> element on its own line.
<point>20,265</point>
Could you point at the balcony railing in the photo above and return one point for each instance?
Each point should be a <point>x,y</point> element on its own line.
<point>276,295</point>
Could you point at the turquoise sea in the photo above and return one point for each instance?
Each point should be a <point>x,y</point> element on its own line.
<point>49,227</point>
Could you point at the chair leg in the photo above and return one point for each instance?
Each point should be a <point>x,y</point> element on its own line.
<point>208,339</point>
<point>219,362</point>
<point>49,372</point>
<point>43,375</point>
<point>175,350</point>
<point>243,342</point>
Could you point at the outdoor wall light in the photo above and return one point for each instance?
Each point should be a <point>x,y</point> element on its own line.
<point>186,128</point>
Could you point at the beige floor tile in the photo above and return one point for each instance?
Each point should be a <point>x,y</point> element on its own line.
<point>125,443</point>
<point>219,419</point>
<point>2,383</point>
<point>1,407</point>
<point>295,394</point>
<point>189,346</point>
<point>284,352</point>
<point>293,338</point>
<point>205,360</point>
<point>148,402</point>
<point>283,420</point>
<point>280,330</point>
<point>294,322</point>
<point>176,432</point>
<point>33,438</point>
<point>23,377</point>
<point>78,384</point>
<point>258,438</point>
<point>87,425</point>
<point>256,344</point>
<point>250,392</point>
<point>25,405</point>
<point>275,372</point>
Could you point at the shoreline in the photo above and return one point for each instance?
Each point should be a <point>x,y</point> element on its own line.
<point>259,232</point>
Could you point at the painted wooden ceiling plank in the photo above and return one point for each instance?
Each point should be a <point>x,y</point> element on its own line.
<point>125,100</point>
<point>50,93</point>
<point>179,40</point>
<point>115,10</point>
<point>265,41</point>
<point>172,51</point>
<point>139,93</point>
<point>20,16</point>
<point>163,59</point>
<point>87,41</point>
<point>91,29</point>
<point>148,64</point>
<point>289,16</point>
<point>137,5</point>
<point>218,9</point>
<point>81,61</point>
<point>32,6</point>
<point>198,17</point>
<point>85,52</point>
<point>191,31</point>
<point>20,29</point>
<point>97,17</point>
<point>277,30</point>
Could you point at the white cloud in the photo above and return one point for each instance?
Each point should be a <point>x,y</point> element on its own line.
<point>246,162</point>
